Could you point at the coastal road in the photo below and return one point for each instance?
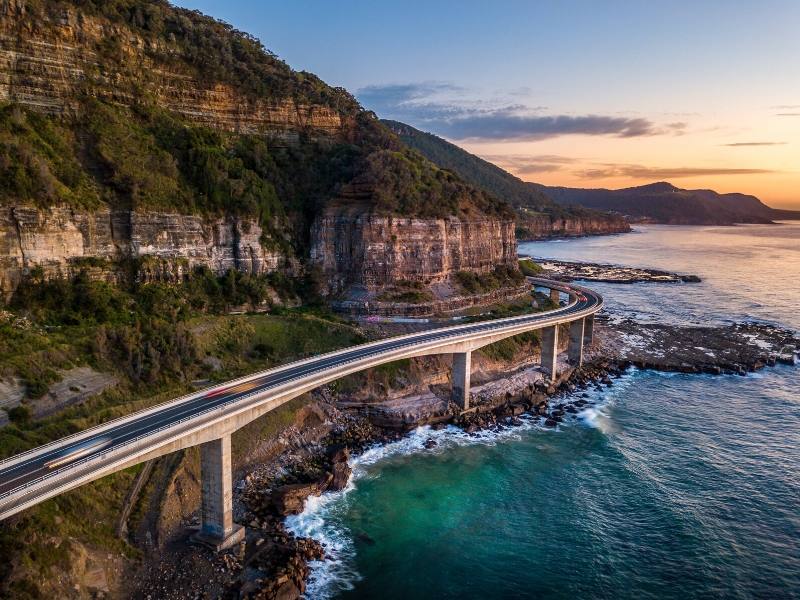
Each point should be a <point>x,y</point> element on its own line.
<point>28,478</point>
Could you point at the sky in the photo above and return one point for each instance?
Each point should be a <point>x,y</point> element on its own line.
<point>703,94</point>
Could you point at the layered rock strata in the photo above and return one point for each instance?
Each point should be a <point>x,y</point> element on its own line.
<point>62,240</point>
<point>364,249</point>
<point>46,67</point>
<point>545,226</point>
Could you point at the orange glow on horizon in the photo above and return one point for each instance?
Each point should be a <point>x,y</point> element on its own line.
<point>760,156</point>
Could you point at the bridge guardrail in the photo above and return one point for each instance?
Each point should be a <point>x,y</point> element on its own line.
<point>446,332</point>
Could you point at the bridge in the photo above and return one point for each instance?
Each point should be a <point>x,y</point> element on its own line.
<point>209,417</point>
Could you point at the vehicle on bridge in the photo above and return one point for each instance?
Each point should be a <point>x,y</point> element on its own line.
<point>79,451</point>
<point>242,387</point>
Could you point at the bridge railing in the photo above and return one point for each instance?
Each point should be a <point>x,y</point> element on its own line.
<point>246,378</point>
<point>446,332</point>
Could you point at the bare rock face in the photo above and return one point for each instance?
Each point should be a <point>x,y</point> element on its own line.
<point>545,226</point>
<point>44,66</point>
<point>62,240</point>
<point>369,250</point>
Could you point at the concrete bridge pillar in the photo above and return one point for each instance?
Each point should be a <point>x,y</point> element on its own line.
<point>217,528</point>
<point>462,364</point>
<point>576,337</point>
<point>555,295</point>
<point>550,350</point>
<point>588,330</point>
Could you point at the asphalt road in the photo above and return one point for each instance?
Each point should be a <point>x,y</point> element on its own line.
<point>40,464</point>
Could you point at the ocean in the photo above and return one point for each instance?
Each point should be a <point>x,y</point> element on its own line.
<point>669,486</point>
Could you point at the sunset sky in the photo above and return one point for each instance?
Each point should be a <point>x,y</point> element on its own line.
<point>586,94</point>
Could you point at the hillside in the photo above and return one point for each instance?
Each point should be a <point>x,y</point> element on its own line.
<point>538,215</point>
<point>664,203</point>
<point>138,130</point>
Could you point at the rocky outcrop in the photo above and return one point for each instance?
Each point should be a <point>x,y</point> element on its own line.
<point>361,248</point>
<point>63,240</point>
<point>547,226</point>
<point>47,65</point>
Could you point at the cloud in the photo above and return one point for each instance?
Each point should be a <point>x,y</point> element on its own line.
<point>448,110</point>
<point>785,106</point>
<point>660,173</point>
<point>789,114</point>
<point>529,165</point>
<point>501,125</point>
<point>742,144</point>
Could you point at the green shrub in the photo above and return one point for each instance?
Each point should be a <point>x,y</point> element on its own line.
<point>481,283</point>
<point>20,415</point>
<point>529,268</point>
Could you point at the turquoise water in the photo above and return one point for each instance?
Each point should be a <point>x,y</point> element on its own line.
<point>670,486</point>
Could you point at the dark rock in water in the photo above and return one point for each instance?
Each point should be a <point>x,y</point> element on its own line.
<point>341,475</point>
<point>607,381</point>
<point>340,470</point>
<point>558,412</point>
<point>571,409</point>
<point>690,279</point>
<point>289,499</point>
<point>550,423</point>
<point>430,443</point>
<point>584,395</point>
<point>581,402</point>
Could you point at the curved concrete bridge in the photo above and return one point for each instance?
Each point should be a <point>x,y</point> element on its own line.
<point>208,418</point>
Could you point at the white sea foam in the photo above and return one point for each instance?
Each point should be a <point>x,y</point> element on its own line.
<point>319,518</point>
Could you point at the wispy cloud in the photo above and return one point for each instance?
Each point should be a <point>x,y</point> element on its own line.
<point>744,144</point>
<point>643,172</point>
<point>447,110</point>
<point>788,114</point>
<point>530,165</point>
<point>785,106</point>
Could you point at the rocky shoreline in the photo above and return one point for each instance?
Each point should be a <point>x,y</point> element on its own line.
<point>274,563</point>
<point>571,271</point>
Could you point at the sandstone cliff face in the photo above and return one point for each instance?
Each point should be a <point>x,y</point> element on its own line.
<point>47,63</point>
<point>60,240</point>
<point>46,67</point>
<point>545,226</point>
<point>356,248</point>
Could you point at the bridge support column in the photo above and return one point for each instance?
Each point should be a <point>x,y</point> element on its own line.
<point>588,330</point>
<point>576,337</point>
<point>462,364</point>
<point>555,295</point>
<point>217,528</point>
<point>550,350</point>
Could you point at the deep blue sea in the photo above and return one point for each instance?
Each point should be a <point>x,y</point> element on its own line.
<point>671,486</point>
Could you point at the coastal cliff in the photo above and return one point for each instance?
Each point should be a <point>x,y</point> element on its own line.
<point>361,248</point>
<point>49,57</point>
<point>60,241</point>
<point>149,132</point>
<point>536,227</point>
